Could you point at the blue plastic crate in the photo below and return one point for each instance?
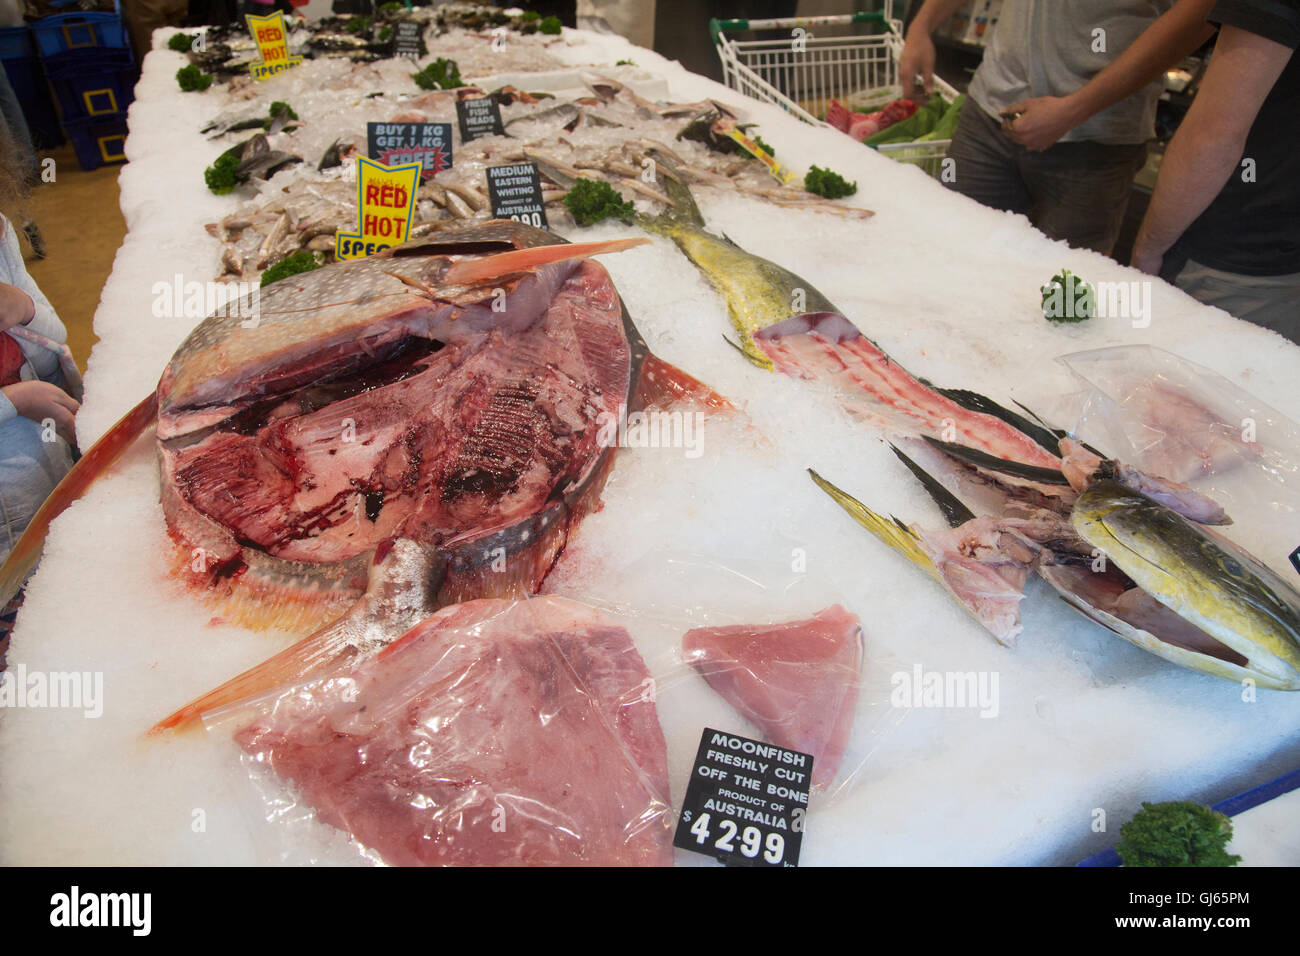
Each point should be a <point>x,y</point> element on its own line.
<point>99,140</point>
<point>16,43</point>
<point>78,31</point>
<point>87,85</point>
<point>81,96</point>
<point>28,80</point>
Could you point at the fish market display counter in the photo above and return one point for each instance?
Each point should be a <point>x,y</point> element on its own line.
<point>960,750</point>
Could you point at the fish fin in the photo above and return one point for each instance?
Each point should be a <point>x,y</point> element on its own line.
<point>893,533</point>
<point>952,507</point>
<point>474,271</point>
<point>662,385</point>
<point>975,402</point>
<point>682,214</point>
<point>987,462</point>
<point>751,354</point>
<point>75,483</point>
<point>327,650</point>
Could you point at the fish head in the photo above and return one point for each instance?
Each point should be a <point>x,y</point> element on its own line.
<point>1232,615</point>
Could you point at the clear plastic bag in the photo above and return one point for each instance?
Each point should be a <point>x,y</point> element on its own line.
<point>1173,418</point>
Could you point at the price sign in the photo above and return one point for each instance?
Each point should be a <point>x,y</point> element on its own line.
<point>746,801</point>
<point>272,43</point>
<point>516,193</point>
<point>479,117</point>
<point>1295,559</point>
<point>407,39</point>
<point>385,205</point>
<point>428,144</point>
<point>782,173</point>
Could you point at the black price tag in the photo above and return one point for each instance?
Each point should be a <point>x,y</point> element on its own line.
<point>516,193</point>
<point>407,39</point>
<point>746,802</point>
<point>479,117</point>
<point>1295,559</point>
<point>428,144</point>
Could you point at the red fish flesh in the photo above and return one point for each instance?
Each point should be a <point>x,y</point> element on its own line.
<point>797,682</point>
<point>493,733</point>
<point>863,125</point>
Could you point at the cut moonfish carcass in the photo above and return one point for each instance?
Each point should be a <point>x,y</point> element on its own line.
<point>797,682</point>
<point>494,733</point>
<point>365,443</point>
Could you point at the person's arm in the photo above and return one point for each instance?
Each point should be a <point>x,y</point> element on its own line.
<point>1209,144</point>
<point>918,48</point>
<point>23,303</point>
<point>1177,32</point>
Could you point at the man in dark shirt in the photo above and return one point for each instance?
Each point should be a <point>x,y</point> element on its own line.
<point>1224,221</point>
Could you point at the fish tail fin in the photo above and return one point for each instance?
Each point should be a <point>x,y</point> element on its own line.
<point>682,214</point>
<point>75,483</point>
<point>474,271</point>
<point>663,385</point>
<point>315,655</point>
<point>893,533</point>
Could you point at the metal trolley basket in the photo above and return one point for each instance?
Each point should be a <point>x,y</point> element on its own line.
<point>802,73</point>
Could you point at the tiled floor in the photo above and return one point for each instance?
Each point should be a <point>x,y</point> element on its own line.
<point>78,216</point>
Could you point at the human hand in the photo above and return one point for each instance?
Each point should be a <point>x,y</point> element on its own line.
<point>39,400</point>
<point>16,306</point>
<point>917,57</point>
<point>1040,122</point>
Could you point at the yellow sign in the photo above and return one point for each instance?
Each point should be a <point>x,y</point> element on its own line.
<point>776,169</point>
<point>273,43</point>
<point>385,205</point>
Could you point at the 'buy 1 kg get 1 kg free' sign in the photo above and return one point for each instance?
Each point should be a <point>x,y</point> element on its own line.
<point>385,205</point>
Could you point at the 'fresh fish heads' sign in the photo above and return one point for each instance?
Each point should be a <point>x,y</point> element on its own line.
<point>272,43</point>
<point>385,205</point>
<point>479,117</point>
<point>516,193</point>
<point>428,144</point>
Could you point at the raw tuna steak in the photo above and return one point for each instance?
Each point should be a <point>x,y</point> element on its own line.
<point>797,682</point>
<point>493,733</point>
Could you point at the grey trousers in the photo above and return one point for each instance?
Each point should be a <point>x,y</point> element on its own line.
<point>1072,191</point>
<point>1270,301</point>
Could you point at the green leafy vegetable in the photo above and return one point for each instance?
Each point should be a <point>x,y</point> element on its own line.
<point>301,261</point>
<point>1067,298</point>
<point>388,9</point>
<point>192,79</point>
<point>275,110</point>
<point>357,25</point>
<point>181,42</point>
<point>550,25</point>
<point>220,176</point>
<point>385,33</point>
<point>947,125</point>
<point>1176,834</point>
<point>591,200</point>
<point>530,15</point>
<point>441,74</point>
<point>826,183</point>
<point>624,63</point>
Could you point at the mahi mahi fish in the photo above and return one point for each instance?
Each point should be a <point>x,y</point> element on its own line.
<point>786,324</point>
<point>385,437</point>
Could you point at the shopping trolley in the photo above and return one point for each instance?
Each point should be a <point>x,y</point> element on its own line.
<point>801,72</point>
